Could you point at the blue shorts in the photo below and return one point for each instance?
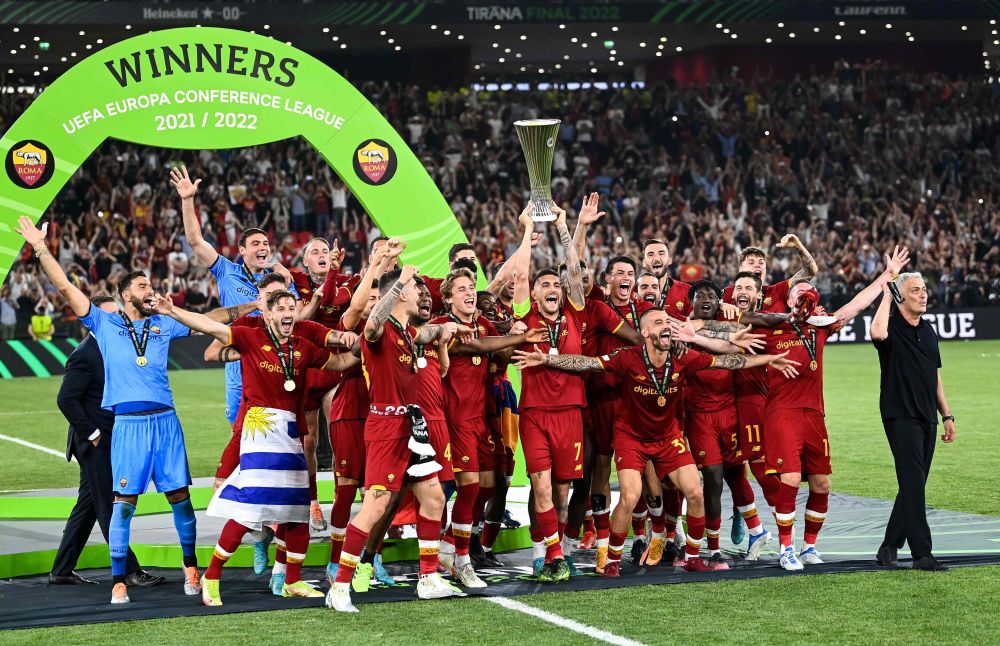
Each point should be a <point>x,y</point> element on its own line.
<point>234,390</point>
<point>148,447</point>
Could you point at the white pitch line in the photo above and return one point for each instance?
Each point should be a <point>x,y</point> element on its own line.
<point>32,445</point>
<point>563,622</point>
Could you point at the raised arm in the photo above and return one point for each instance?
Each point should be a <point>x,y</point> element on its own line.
<point>522,260</point>
<point>187,189</point>
<point>808,269</point>
<point>880,323</point>
<point>574,273</point>
<point>383,308</point>
<point>893,264</point>
<point>741,361</point>
<point>219,351</point>
<point>193,320</point>
<point>359,300</point>
<point>34,236</point>
<point>588,215</point>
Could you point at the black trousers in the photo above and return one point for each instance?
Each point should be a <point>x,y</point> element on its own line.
<point>912,443</point>
<point>94,503</point>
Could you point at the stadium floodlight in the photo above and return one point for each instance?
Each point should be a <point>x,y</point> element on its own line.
<point>680,49</point>
<point>609,44</point>
<point>862,32</point>
<point>837,37</point>
<point>446,32</point>
<point>965,28</point>
<point>381,33</point>
<point>888,25</point>
<point>768,40</point>
<point>642,44</point>
<point>615,28</point>
<point>781,25</point>
<point>44,46</point>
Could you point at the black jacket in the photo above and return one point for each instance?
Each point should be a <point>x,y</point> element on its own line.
<point>80,397</point>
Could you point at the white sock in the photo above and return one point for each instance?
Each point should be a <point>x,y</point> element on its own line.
<point>537,549</point>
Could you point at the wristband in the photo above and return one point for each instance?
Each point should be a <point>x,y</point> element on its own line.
<point>947,418</point>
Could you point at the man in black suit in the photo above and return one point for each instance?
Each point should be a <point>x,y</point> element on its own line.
<point>89,439</point>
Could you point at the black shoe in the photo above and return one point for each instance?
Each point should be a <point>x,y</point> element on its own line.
<point>69,579</point>
<point>671,553</point>
<point>638,548</point>
<point>489,559</point>
<point>143,579</point>
<point>929,564</point>
<point>886,556</point>
<point>475,547</point>
<point>508,520</point>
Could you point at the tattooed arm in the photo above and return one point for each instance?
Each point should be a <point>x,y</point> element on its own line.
<point>383,308</point>
<point>567,362</point>
<point>574,273</point>
<point>216,351</point>
<point>227,315</point>
<point>742,361</point>
<point>808,268</point>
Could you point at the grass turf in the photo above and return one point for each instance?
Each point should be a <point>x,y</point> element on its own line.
<point>884,607</point>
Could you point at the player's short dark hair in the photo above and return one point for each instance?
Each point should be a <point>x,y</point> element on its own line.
<point>419,280</point>
<point>249,232</point>
<point>376,241</point>
<point>645,273</point>
<point>652,310</point>
<point>704,284</point>
<point>458,247</point>
<point>97,301</point>
<point>387,280</point>
<point>619,259</point>
<point>126,280</point>
<point>276,296</point>
<point>749,274</point>
<point>453,275</point>
<point>752,251</point>
<point>544,271</point>
<point>465,263</point>
<point>652,241</point>
<point>270,279</point>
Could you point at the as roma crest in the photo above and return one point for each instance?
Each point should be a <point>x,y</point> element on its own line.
<point>29,164</point>
<point>375,162</point>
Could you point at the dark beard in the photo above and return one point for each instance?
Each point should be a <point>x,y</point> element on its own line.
<point>140,306</point>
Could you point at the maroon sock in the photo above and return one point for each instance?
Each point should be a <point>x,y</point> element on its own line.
<point>351,554</point>
<point>784,511</point>
<point>296,544</point>
<point>229,541</point>
<point>490,532</point>
<point>427,540</point>
<point>340,515</point>
<point>461,516</point>
<point>816,507</point>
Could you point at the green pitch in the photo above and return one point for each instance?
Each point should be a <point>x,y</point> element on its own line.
<point>890,607</point>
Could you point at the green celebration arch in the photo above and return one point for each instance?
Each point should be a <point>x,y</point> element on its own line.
<point>207,88</point>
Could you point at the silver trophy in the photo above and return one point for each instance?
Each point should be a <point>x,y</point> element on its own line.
<point>538,141</point>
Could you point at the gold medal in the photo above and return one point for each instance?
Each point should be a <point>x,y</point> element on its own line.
<point>813,365</point>
<point>140,361</point>
<point>477,360</point>
<point>289,385</point>
<point>661,401</point>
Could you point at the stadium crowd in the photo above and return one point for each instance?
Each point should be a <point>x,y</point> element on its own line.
<point>846,160</point>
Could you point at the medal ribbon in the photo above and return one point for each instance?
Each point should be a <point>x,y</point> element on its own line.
<point>473,325</point>
<point>661,387</point>
<point>809,343</point>
<point>553,331</point>
<point>288,368</point>
<point>410,345</point>
<point>140,346</point>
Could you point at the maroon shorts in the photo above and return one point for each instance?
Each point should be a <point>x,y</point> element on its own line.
<point>230,457</point>
<point>602,422</point>
<point>318,384</point>
<point>438,432</point>
<point>552,438</point>
<point>667,454</point>
<point>751,432</point>
<point>713,437</point>
<point>386,462</point>
<point>797,442</point>
<point>504,454</point>
<point>347,437</point>
<point>473,447</point>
